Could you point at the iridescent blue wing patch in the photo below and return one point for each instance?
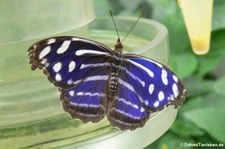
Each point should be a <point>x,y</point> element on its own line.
<point>155,84</point>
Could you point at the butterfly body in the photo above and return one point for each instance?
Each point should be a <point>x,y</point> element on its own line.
<point>115,69</point>
<point>95,81</point>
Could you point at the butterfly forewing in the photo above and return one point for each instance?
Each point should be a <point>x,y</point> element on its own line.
<point>154,83</point>
<point>65,59</point>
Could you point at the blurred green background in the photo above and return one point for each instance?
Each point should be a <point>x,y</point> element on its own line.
<point>201,118</point>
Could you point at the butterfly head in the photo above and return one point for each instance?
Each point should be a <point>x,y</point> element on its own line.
<point>118,46</point>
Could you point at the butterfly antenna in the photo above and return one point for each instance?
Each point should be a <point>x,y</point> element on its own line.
<point>133,26</point>
<point>114,24</point>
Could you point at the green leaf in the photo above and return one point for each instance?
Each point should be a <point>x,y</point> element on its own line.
<point>220,71</point>
<point>207,101</point>
<point>209,119</point>
<point>214,100</point>
<point>196,87</point>
<point>183,64</point>
<point>184,128</point>
<point>219,86</point>
<point>169,14</point>
<point>218,15</point>
<point>216,54</point>
<point>192,103</point>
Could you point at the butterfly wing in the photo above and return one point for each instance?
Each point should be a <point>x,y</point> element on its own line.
<point>155,84</point>
<point>66,59</point>
<point>126,110</point>
<point>79,68</point>
<point>146,86</point>
<point>87,100</point>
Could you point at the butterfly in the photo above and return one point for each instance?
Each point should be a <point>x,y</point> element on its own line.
<point>95,81</point>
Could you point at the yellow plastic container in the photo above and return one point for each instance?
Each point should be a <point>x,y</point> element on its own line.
<point>198,18</point>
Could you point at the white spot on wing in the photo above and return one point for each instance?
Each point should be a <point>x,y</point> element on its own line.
<point>92,78</point>
<point>126,84</point>
<point>161,96</point>
<point>175,90</point>
<point>50,41</point>
<point>142,109</point>
<point>151,88</point>
<point>130,87</point>
<point>84,51</point>
<point>146,102</point>
<point>83,66</point>
<point>82,94</point>
<point>57,67</point>
<point>152,61</point>
<point>171,97</point>
<point>72,66</point>
<point>94,65</point>
<point>133,76</point>
<point>43,61</point>
<point>156,104</point>
<point>71,93</point>
<point>175,78</point>
<point>70,81</point>
<point>86,115</point>
<point>75,39</point>
<point>149,72</point>
<point>88,105</point>
<point>91,94</point>
<point>58,77</point>
<point>127,102</point>
<point>44,52</point>
<point>126,114</point>
<point>34,46</point>
<point>164,77</point>
<point>135,106</point>
<point>64,47</point>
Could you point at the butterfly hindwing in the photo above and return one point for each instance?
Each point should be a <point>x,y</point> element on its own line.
<point>87,99</point>
<point>126,111</point>
<point>63,59</point>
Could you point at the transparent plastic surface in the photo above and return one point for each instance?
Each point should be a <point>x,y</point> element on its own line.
<point>30,19</point>
<point>30,109</point>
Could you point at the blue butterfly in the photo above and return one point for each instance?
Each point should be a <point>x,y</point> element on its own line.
<point>95,81</point>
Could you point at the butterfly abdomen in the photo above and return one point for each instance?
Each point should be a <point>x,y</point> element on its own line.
<point>114,76</point>
<point>113,83</point>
